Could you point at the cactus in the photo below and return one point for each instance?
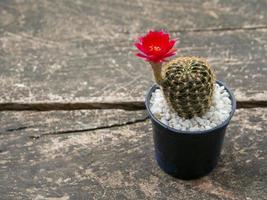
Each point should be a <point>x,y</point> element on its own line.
<point>187,82</point>
<point>188,85</point>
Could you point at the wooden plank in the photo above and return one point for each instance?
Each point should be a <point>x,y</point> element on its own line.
<point>64,20</point>
<point>59,122</point>
<point>118,162</point>
<point>79,52</point>
<point>34,71</point>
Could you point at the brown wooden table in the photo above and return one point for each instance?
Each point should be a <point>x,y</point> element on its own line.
<point>72,120</point>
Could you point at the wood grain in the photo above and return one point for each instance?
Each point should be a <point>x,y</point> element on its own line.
<point>118,162</point>
<point>79,54</point>
<point>82,51</point>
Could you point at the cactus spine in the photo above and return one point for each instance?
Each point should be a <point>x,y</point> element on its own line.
<point>188,85</point>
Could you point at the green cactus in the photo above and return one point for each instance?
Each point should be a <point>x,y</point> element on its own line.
<point>188,85</point>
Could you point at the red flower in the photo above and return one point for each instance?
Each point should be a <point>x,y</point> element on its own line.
<point>155,46</point>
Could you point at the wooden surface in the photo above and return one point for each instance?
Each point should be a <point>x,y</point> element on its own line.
<point>79,54</point>
<point>81,51</point>
<point>63,155</point>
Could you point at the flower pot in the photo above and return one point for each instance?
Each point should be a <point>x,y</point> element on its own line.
<point>187,154</point>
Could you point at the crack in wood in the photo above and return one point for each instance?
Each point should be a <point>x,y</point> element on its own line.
<point>14,128</point>
<point>245,28</point>
<point>17,128</point>
<point>48,106</point>
<point>129,106</point>
<point>90,129</point>
<point>215,29</point>
<point>251,104</point>
<point>134,105</point>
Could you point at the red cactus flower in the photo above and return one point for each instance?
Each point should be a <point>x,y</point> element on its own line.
<point>155,46</point>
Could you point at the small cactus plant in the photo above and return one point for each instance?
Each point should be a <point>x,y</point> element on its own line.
<point>188,85</point>
<point>187,82</point>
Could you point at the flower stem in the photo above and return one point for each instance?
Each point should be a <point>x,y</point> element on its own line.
<point>157,71</point>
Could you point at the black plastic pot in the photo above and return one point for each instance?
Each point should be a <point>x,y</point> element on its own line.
<point>187,154</point>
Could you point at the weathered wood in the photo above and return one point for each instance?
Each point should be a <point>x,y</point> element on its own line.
<point>114,74</point>
<point>57,122</point>
<point>129,105</point>
<point>47,106</point>
<point>118,163</point>
<point>68,51</point>
<point>64,20</point>
<point>79,54</point>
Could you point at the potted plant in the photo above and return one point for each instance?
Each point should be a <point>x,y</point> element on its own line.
<point>188,107</point>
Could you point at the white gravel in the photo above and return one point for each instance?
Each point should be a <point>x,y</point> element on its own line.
<point>217,114</point>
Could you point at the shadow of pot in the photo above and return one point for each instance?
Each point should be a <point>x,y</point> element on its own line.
<point>187,154</point>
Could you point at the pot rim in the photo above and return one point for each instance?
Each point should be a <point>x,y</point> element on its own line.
<point>175,131</point>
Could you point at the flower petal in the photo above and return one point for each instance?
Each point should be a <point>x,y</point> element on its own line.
<point>170,54</point>
<point>141,55</point>
<point>172,43</point>
<point>155,46</point>
<point>139,46</point>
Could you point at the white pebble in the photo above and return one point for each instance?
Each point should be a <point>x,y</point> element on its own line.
<point>164,121</point>
<point>168,116</point>
<point>217,114</point>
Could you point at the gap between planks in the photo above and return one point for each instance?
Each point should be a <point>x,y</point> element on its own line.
<point>129,105</point>
<point>134,105</point>
<point>215,29</point>
<point>245,28</point>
